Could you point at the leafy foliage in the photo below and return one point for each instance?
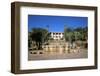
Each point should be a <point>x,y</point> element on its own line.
<point>39,36</point>
<point>78,34</point>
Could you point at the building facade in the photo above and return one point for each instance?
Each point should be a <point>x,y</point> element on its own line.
<point>57,35</point>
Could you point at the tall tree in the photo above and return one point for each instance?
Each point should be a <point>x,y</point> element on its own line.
<point>67,33</point>
<point>39,35</point>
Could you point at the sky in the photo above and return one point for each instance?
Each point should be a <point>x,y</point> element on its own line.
<point>56,23</point>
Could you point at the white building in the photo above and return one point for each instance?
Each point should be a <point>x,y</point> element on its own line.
<point>57,35</point>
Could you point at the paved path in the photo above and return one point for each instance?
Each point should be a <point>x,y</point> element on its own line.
<point>76,55</point>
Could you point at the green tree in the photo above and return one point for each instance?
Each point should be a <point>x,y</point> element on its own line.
<point>67,33</point>
<point>29,40</point>
<point>69,36</point>
<point>82,33</point>
<point>39,35</point>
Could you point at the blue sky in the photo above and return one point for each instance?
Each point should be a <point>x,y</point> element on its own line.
<point>56,23</point>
